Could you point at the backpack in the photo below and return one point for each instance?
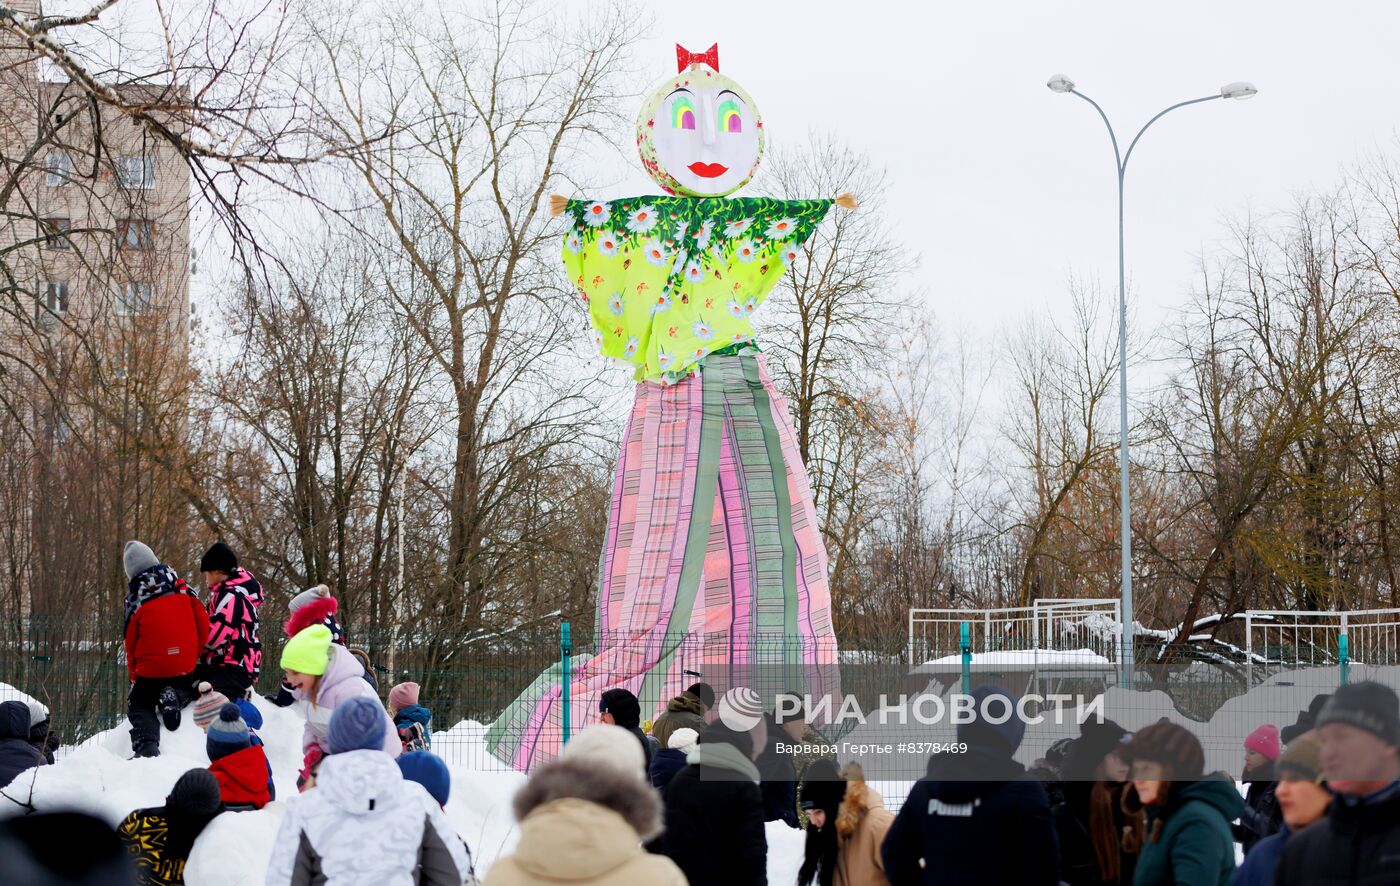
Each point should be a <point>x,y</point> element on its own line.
<point>412,737</point>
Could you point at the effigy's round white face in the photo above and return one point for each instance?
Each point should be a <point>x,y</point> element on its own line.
<point>700,134</point>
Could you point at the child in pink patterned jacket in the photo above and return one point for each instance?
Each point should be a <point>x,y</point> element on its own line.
<point>232,656</point>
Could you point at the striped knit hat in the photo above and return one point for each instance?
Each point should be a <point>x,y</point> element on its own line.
<point>206,708</point>
<point>1171,745</point>
<point>227,734</point>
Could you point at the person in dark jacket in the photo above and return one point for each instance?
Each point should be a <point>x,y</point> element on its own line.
<point>822,793</point>
<point>16,753</point>
<point>1359,840</point>
<point>1303,800</point>
<point>619,707</point>
<point>41,734</point>
<point>38,851</point>
<point>232,657</point>
<point>1098,838</point>
<point>159,839</point>
<point>976,817</point>
<point>165,630</point>
<point>777,777</point>
<point>672,758</point>
<point>1261,816</point>
<point>714,814</point>
<point>1188,813</point>
<point>1307,720</point>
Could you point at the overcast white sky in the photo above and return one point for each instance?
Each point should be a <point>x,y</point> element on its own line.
<point>1005,188</point>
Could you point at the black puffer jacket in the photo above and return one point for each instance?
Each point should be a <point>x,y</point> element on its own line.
<point>16,753</point>
<point>1358,844</point>
<point>779,779</point>
<point>714,820</point>
<point>976,818</point>
<point>1262,815</point>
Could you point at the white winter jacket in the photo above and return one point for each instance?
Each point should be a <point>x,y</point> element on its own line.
<point>363,825</point>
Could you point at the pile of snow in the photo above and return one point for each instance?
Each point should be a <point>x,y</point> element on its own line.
<point>1022,660</point>
<point>98,777</point>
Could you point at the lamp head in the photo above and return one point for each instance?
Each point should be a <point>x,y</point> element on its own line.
<point>1240,89</point>
<point>1061,83</point>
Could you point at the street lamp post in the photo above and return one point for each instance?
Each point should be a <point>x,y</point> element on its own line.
<point>1062,84</point>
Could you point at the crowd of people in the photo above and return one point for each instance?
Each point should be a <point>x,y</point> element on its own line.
<point>687,798</point>
<point>370,795</point>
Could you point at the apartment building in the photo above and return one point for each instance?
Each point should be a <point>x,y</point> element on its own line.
<point>96,221</point>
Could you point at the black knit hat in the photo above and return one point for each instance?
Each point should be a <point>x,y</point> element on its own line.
<point>196,792</point>
<point>703,691</point>
<point>1367,705</point>
<point>1306,719</point>
<point>1173,746</point>
<point>219,558</point>
<point>1097,739</point>
<point>718,733</point>
<point>623,705</point>
<point>823,788</point>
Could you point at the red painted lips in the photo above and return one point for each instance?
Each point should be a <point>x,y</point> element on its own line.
<point>708,170</point>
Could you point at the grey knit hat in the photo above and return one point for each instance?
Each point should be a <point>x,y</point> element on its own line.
<point>1367,705</point>
<point>137,558</point>
<point>307,596</point>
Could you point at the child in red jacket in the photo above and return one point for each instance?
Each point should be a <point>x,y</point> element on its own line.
<point>166,627</point>
<point>238,761</point>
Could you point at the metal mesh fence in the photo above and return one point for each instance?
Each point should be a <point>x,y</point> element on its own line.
<point>74,664</point>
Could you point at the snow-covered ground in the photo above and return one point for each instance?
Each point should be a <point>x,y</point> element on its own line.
<point>97,777</point>
<point>1023,660</point>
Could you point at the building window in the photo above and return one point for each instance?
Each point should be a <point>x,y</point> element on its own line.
<point>56,233</point>
<point>58,169</point>
<point>136,233</point>
<point>136,173</point>
<point>53,301</point>
<point>134,298</point>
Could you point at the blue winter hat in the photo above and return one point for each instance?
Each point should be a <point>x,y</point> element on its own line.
<point>981,730</point>
<point>427,769</point>
<point>251,715</point>
<point>357,725</point>
<point>227,734</point>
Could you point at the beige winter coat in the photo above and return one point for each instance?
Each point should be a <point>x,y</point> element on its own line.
<point>585,824</point>
<point>861,826</point>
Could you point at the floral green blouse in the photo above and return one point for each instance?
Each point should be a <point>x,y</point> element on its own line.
<point>669,280</point>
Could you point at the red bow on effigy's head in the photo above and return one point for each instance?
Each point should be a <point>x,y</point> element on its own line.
<point>685,58</point>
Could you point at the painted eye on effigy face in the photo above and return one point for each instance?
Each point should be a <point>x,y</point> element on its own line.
<point>699,133</point>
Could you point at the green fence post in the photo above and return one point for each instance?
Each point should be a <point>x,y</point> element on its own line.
<point>965,644</point>
<point>1344,653</point>
<point>566,649</point>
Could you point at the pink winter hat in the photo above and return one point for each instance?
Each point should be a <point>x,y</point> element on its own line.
<point>1264,740</point>
<point>405,695</point>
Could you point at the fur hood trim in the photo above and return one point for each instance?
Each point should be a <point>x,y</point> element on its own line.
<point>860,798</point>
<point>632,798</point>
<point>312,613</point>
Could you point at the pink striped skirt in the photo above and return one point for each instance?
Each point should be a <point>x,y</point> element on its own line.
<point>712,567</point>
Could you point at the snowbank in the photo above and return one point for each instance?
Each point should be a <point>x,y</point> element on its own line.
<point>1022,660</point>
<point>99,777</point>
